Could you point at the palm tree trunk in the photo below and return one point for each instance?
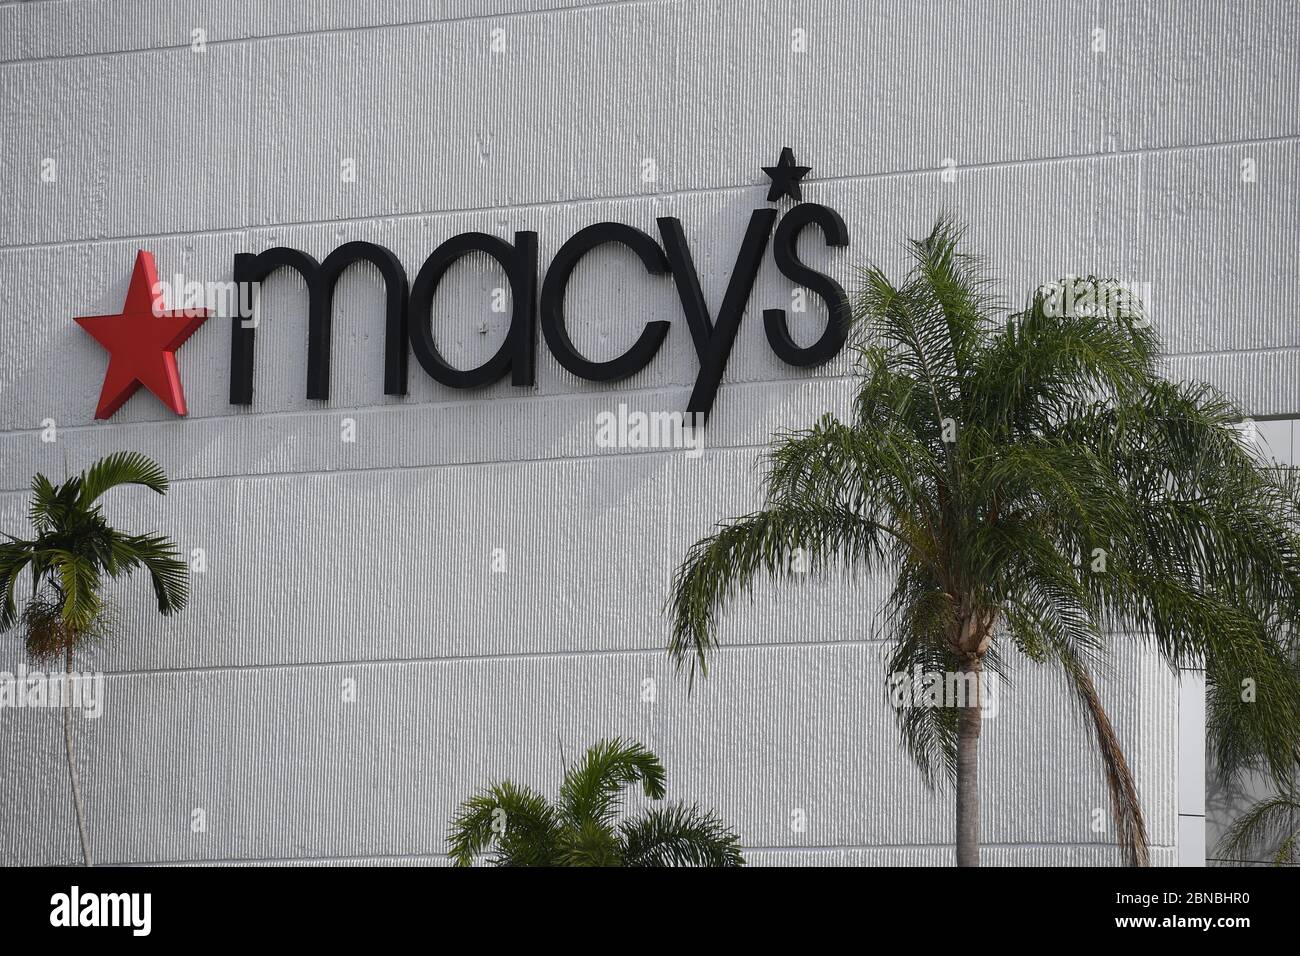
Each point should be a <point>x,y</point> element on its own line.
<point>968,777</point>
<point>73,776</point>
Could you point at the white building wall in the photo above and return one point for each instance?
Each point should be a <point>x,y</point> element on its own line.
<point>371,560</point>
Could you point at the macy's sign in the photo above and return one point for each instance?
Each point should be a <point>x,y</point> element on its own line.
<point>142,339</point>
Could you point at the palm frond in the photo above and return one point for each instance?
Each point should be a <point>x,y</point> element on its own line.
<point>928,734</point>
<point>518,820</point>
<point>167,570</point>
<point>592,787</point>
<point>1271,825</point>
<point>726,563</point>
<point>1126,809</point>
<point>121,468</point>
<point>679,835</point>
<point>15,556</point>
<point>78,583</point>
<point>42,509</point>
<point>589,842</point>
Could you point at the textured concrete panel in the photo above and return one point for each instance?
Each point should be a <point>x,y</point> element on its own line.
<point>284,769</point>
<point>436,120</point>
<point>71,28</point>
<point>137,145</point>
<point>369,551</point>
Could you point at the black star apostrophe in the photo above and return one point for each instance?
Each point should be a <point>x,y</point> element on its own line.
<point>785,176</point>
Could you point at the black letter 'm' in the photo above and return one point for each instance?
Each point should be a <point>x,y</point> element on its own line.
<point>321,279</point>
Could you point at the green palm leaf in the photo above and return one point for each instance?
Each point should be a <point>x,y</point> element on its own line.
<point>15,556</point>
<point>516,819</point>
<point>121,468</point>
<point>78,583</point>
<point>167,571</point>
<point>679,835</point>
<point>592,787</point>
<point>590,843</point>
<point>42,509</point>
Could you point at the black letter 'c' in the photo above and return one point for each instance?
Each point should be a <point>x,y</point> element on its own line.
<point>557,282</point>
<point>516,354</point>
<point>837,302</point>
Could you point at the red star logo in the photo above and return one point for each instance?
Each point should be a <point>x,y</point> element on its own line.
<point>142,341</point>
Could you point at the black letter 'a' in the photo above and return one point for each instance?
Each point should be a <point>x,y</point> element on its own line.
<point>516,354</point>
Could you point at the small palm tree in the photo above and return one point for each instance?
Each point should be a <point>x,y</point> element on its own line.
<point>581,828</point>
<point>74,551</point>
<point>1030,484</point>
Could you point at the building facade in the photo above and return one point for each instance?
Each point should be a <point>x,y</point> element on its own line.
<point>399,597</point>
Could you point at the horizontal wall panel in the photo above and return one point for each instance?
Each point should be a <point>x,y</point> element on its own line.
<point>347,564</point>
<point>283,768</point>
<point>94,149</point>
<point>435,120</point>
<point>1157,219</point>
<point>67,28</point>
<point>1263,382</point>
<point>513,429</point>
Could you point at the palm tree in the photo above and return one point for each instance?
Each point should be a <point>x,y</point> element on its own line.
<point>581,828</point>
<point>1029,484</point>
<point>73,552</point>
